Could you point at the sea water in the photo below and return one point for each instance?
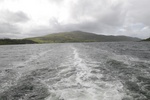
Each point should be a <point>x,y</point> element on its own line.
<point>75,71</point>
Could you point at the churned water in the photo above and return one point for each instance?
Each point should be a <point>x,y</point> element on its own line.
<point>75,71</point>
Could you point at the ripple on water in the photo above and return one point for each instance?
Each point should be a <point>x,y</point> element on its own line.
<point>27,88</point>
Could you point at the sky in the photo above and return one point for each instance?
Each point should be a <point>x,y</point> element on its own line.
<point>31,18</point>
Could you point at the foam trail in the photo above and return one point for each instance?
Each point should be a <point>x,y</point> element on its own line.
<point>80,86</point>
<point>83,72</point>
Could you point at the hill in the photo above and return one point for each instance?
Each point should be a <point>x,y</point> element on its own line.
<point>15,41</point>
<point>79,36</point>
<point>148,39</point>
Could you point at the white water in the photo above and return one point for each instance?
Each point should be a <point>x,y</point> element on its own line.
<point>80,86</point>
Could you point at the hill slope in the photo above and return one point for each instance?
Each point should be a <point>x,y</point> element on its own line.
<point>146,39</point>
<point>15,41</point>
<point>78,36</point>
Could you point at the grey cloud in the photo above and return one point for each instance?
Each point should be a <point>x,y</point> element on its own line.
<point>139,12</point>
<point>8,28</point>
<point>55,26</point>
<point>91,17</point>
<point>91,27</point>
<point>143,33</point>
<point>9,20</point>
<point>14,17</point>
<point>137,17</point>
<point>10,35</point>
<point>108,17</point>
<point>115,17</point>
<point>1,0</point>
<point>56,1</point>
<point>105,17</point>
<point>101,11</point>
<point>40,31</point>
<point>94,16</point>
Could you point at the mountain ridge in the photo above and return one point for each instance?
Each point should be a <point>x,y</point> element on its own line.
<point>79,36</point>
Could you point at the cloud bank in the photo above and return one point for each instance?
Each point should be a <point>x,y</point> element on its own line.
<point>109,17</point>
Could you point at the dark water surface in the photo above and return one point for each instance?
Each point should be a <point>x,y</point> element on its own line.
<point>75,71</point>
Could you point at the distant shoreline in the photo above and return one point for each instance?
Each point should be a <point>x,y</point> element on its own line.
<point>15,41</point>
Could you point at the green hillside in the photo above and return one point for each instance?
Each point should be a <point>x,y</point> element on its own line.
<point>15,41</point>
<point>78,36</point>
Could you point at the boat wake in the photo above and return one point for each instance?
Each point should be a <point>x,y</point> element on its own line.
<point>75,72</point>
<point>80,81</point>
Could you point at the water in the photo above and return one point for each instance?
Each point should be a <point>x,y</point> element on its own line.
<point>75,71</point>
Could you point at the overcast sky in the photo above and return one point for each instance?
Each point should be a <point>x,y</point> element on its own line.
<point>25,18</point>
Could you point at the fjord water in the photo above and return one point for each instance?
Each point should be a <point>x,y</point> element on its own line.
<point>75,71</point>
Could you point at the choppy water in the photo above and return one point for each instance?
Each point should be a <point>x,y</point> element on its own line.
<point>81,71</point>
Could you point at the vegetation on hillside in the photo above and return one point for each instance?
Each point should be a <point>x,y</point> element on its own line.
<point>64,37</point>
<point>78,36</point>
<point>15,41</point>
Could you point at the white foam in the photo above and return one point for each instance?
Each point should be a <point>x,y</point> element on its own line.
<point>79,86</point>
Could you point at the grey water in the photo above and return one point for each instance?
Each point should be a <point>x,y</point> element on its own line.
<point>75,71</point>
